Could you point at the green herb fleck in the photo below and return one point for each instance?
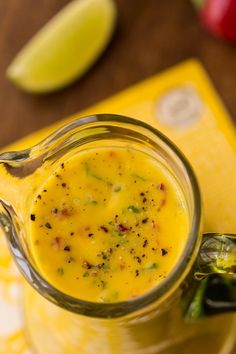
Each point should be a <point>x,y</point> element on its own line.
<point>90,200</point>
<point>103,284</point>
<point>139,177</point>
<point>90,173</point>
<point>60,271</point>
<point>116,233</point>
<point>117,188</point>
<point>86,274</point>
<point>150,266</point>
<point>134,209</point>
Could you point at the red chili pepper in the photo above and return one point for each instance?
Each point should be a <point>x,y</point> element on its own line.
<point>219,17</point>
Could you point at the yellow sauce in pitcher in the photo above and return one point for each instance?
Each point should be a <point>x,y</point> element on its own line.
<point>108,225</point>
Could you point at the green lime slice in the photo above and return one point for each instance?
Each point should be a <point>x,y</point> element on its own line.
<point>65,48</point>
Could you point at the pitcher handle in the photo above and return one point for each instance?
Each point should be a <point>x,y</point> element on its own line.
<point>215,271</point>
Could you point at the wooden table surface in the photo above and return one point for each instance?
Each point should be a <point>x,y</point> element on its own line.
<point>151,36</point>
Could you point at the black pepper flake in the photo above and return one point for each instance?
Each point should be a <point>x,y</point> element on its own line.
<point>142,194</point>
<point>144,221</point>
<point>48,225</point>
<point>63,165</point>
<point>138,259</point>
<point>145,243</point>
<point>144,200</point>
<point>72,233</point>
<point>104,228</point>
<point>117,246</point>
<point>39,196</point>
<point>67,248</point>
<point>90,235</point>
<point>137,272</point>
<point>45,190</point>
<point>163,251</point>
<point>87,265</point>
<point>54,211</point>
<point>63,185</point>
<point>32,217</point>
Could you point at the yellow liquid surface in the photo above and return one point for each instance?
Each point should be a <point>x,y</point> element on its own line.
<point>108,225</point>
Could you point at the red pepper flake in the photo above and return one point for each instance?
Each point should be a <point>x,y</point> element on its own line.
<point>122,266</point>
<point>163,251</point>
<point>32,217</point>
<point>65,213</point>
<point>145,243</point>
<point>122,228</point>
<point>36,242</point>
<point>144,221</point>
<point>112,153</point>
<point>143,255</point>
<point>155,225</point>
<point>161,187</point>
<point>48,225</point>
<point>161,204</point>
<point>86,228</point>
<point>104,228</point>
<point>56,243</point>
<point>67,248</point>
<point>136,272</point>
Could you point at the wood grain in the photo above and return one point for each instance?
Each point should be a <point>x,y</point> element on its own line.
<point>151,36</point>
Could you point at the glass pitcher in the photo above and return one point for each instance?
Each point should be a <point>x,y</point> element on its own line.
<point>186,313</point>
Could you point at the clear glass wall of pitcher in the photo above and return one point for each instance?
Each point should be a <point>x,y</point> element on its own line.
<point>178,316</point>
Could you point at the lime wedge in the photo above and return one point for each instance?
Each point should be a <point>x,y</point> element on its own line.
<point>65,48</point>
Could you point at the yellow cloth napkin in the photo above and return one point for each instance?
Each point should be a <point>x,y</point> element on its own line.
<point>182,103</point>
